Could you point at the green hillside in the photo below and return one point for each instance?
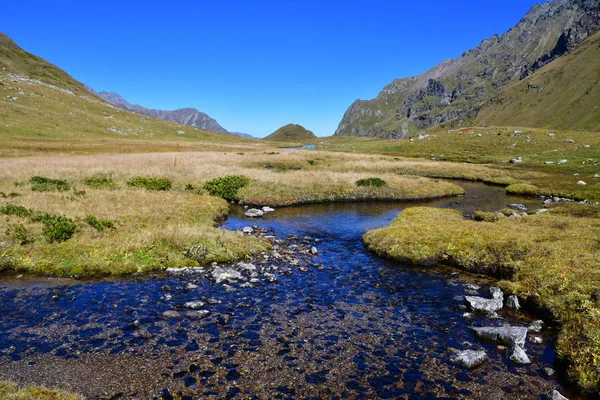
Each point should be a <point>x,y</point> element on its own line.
<point>38,99</point>
<point>291,133</point>
<point>564,94</point>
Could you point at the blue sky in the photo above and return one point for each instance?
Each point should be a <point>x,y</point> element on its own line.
<point>253,65</point>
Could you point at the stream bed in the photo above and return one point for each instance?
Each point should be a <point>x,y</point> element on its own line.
<point>352,325</point>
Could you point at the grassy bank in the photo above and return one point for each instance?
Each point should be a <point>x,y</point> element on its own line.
<point>10,391</point>
<point>552,259</point>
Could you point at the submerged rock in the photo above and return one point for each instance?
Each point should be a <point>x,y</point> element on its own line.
<point>509,335</point>
<point>518,207</point>
<point>226,275</point>
<point>171,314</point>
<point>548,371</point>
<point>469,358</point>
<point>199,314</point>
<point>536,326</point>
<point>194,305</point>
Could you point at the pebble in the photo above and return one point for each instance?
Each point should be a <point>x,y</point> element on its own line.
<point>548,371</point>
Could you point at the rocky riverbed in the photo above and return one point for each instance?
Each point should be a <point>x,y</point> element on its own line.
<point>297,322</point>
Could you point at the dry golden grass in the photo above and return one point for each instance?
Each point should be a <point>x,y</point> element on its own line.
<point>10,391</point>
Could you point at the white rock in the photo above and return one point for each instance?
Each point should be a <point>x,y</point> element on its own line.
<point>469,358</point>
<point>555,395</point>
<point>542,211</point>
<point>254,213</point>
<point>517,355</point>
<point>248,229</point>
<point>561,162</point>
<point>536,326</point>
<point>513,302</point>
<point>508,335</point>
<point>194,305</point>
<point>267,209</point>
<point>582,183</point>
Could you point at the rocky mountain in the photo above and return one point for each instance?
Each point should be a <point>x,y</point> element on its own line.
<point>291,133</point>
<point>454,89</point>
<point>244,135</point>
<point>184,116</point>
<point>564,94</point>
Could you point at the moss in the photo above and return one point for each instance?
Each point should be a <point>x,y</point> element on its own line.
<point>552,259</point>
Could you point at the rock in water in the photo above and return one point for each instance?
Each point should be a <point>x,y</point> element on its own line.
<point>536,326</point>
<point>254,213</point>
<point>513,302</point>
<point>484,305</point>
<point>518,207</point>
<point>509,335</point>
<point>194,305</point>
<point>517,355</point>
<point>496,293</point>
<point>171,314</point>
<point>226,275</point>
<point>469,358</point>
<point>267,209</point>
<point>555,395</point>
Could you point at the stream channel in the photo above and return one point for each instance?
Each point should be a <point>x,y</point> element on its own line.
<point>350,326</point>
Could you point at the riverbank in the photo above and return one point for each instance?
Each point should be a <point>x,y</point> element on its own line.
<point>551,259</point>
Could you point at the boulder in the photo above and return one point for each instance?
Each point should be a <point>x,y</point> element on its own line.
<point>509,335</point>
<point>555,395</point>
<point>513,302</point>
<point>226,275</point>
<point>582,183</point>
<point>484,305</point>
<point>469,358</point>
<point>536,326</point>
<point>247,229</point>
<point>496,293</point>
<point>517,355</point>
<point>267,209</point>
<point>518,207</point>
<point>516,160</point>
<point>254,213</point>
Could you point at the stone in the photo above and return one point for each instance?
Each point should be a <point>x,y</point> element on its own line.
<point>569,141</point>
<point>314,251</point>
<point>541,211</point>
<point>254,213</point>
<point>469,358</point>
<point>561,162</point>
<point>555,395</point>
<point>484,305</point>
<point>518,207</point>
<point>267,209</point>
<point>508,335</point>
<point>194,305</point>
<point>171,314</point>
<point>224,318</point>
<point>199,314</point>
<point>270,277</point>
<point>513,302</point>
<point>551,134</point>
<point>496,293</point>
<point>516,160</point>
<point>548,371</point>
<point>191,286</point>
<point>548,162</point>
<point>536,326</point>
<point>517,355</point>
<point>536,340</point>
<point>226,275</point>
<point>596,176</point>
<point>582,183</point>
<point>247,229</point>
<point>246,267</point>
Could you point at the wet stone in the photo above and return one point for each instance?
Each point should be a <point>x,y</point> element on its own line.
<point>469,358</point>
<point>509,335</point>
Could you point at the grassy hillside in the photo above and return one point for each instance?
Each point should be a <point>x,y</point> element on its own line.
<point>38,99</point>
<point>564,94</point>
<point>291,133</point>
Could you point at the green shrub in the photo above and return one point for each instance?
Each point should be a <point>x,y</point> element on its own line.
<point>19,233</point>
<point>99,224</point>
<point>58,228</point>
<point>42,184</point>
<point>311,162</point>
<point>376,182</point>
<point>19,211</point>
<point>101,182</point>
<point>150,183</point>
<point>227,186</point>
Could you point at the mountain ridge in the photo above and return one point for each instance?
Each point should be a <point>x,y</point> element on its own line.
<point>451,89</point>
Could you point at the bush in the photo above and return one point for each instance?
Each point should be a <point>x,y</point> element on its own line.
<point>101,182</point>
<point>226,187</point>
<point>58,228</point>
<point>19,211</point>
<point>19,233</point>
<point>99,224</point>
<point>42,184</point>
<point>149,183</point>
<point>375,182</point>
<point>311,162</point>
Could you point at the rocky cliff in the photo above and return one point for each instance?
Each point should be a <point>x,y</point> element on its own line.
<point>454,89</point>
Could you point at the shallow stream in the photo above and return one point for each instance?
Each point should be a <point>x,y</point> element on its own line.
<point>352,326</point>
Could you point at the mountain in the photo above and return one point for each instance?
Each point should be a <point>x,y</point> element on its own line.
<point>291,133</point>
<point>244,135</point>
<point>455,88</point>
<point>184,116</point>
<point>40,100</point>
<point>564,94</point>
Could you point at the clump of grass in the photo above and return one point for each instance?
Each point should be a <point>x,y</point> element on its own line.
<point>101,182</point>
<point>150,183</point>
<point>19,211</point>
<point>486,216</point>
<point>43,184</point>
<point>99,224</point>
<point>524,189</point>
<point>551,259</point>
<point>9,195</point>
<point>19,233</point>
<point>10,391</point>
<point>375,182</point>
<point>226,187</point>
<point>311,162</point>
<point>78,193</point>
<point>58,228</point>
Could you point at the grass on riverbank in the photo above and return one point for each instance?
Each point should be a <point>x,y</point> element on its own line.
<point>553,259</point>
<point>10,391</point>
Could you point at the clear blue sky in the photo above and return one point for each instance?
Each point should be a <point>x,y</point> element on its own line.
<point>253,65</point>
